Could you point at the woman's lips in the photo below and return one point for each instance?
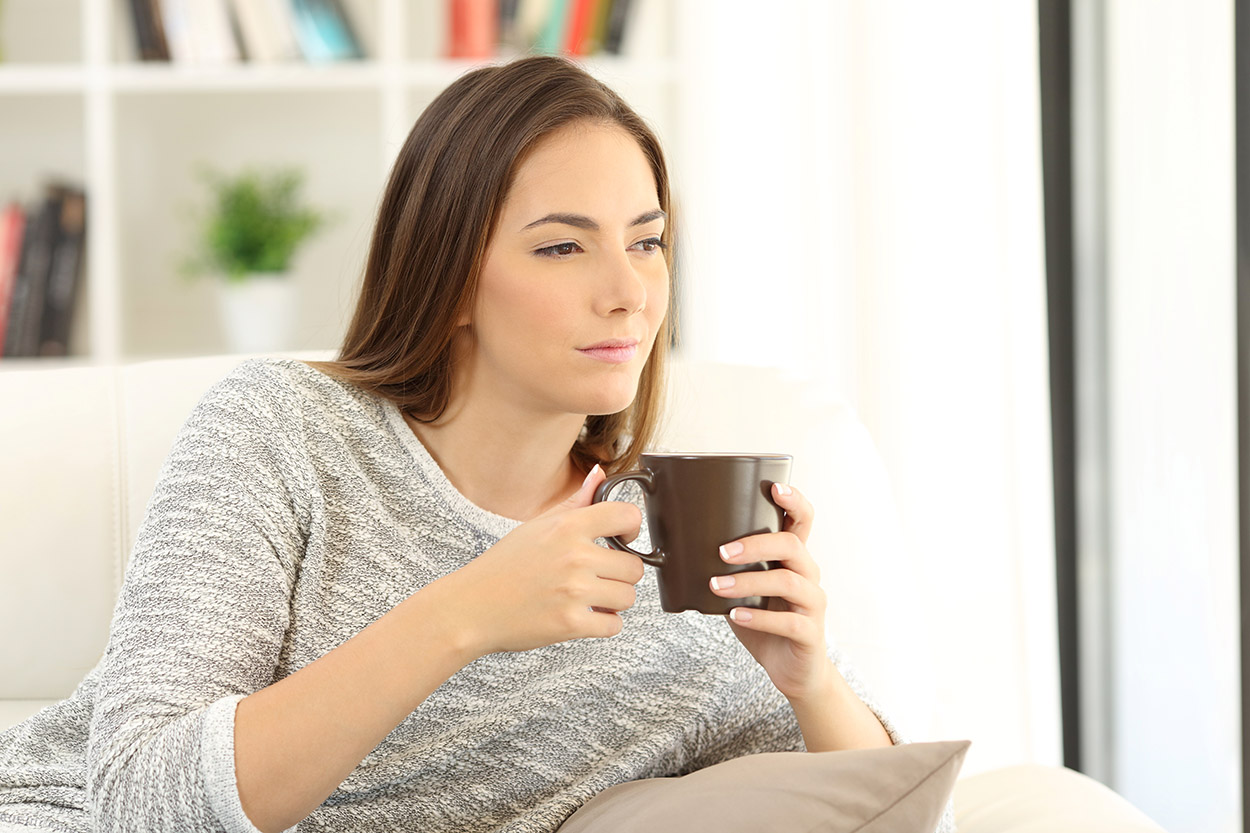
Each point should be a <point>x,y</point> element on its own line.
<point>612,353</point>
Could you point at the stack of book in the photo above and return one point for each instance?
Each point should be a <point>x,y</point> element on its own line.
<point>271,31</point>
<point>486,28</point>
<point>41,256</point>
<point>229,31</point>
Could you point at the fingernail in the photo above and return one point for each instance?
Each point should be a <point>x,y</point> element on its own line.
<point>740,614</point>
<point>590,474</point>
<point>728,551</point>
<point>783,489</point>
<point>722,582</point>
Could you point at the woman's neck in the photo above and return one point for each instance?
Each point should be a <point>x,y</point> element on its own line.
<point>514,467</point>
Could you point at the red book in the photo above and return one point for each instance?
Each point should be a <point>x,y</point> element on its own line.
<point>12,227</point>
<point>582,14</point>
<point>474,28</point>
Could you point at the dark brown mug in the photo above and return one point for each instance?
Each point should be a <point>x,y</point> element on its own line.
<point>697,502</point>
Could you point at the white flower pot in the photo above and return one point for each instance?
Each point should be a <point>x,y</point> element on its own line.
<point>258,313</point>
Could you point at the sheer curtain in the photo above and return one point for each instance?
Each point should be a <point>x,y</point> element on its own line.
<point>861,191</point>
<point>1174,613</point>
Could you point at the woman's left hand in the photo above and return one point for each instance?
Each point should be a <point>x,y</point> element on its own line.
<point>787,639</point>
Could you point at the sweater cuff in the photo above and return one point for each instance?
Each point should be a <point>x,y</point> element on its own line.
<point>217,763</point>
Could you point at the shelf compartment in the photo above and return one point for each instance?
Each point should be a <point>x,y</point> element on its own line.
<point>161,140</point>
<point>42,32</point>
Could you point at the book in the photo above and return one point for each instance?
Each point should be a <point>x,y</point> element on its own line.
<point>175,19</point>
<point>615,26</point>
<point>474,28</point>
<point>530,16</point>
<point>266,30</point>
<point>578,27</point>
<point>343,19</point>
<point>510,40</point>
<point>213,32</point>
<point>551,36</point>
<point>12,228</point>
<point>158,24</point>
<point>21,338</point>
<point>599,28</point>
<point>643,35</point>
<point>64,273</point>
<point>199,31</point>
<point>323,31</point>
<point>149,34</point>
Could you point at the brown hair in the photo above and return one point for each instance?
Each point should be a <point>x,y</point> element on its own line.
<point>438,213</point>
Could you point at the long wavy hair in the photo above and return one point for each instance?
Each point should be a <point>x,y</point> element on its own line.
<point>438,213</point>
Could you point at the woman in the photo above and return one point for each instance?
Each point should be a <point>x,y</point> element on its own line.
<point>366,594</point>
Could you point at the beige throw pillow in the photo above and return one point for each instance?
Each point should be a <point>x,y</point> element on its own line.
<point>898,789</point>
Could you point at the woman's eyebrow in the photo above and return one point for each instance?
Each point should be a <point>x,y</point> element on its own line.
<point>582,221</point>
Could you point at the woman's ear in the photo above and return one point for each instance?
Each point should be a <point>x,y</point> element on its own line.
<point>465,318</point>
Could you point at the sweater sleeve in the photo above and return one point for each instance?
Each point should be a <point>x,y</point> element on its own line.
<point>200,620</point>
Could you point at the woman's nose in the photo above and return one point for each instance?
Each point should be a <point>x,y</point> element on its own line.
<point>623,289</point>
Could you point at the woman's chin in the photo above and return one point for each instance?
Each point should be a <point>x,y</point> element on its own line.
<point>603,395</point>
<point>602,405</point>
<point>606,410</point>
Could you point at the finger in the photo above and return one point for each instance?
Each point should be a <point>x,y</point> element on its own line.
<point>593,622</point>
<point>784,623</point>
<point>797,591</point>
<point>599,520</point>
<point>800,514</point>
<point>611,517</point>
<point>583,495</point>
<point>617,566</point>
<point>603,623</point>
<point>784,547</point>
<point>612,596</point>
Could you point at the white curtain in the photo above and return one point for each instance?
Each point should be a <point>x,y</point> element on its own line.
<point>861,192</point>
<point>1171,243</point>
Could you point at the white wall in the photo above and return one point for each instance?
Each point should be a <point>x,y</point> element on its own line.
<point>1173,443</point>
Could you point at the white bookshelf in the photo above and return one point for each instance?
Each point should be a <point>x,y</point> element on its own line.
<point>76,102</point>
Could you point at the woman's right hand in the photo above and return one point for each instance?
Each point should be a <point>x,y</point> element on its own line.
<point>547,581</point>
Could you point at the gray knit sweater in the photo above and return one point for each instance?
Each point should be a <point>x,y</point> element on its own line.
<point>293,511</point>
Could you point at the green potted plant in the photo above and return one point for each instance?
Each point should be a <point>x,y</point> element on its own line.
<point>247,239</point>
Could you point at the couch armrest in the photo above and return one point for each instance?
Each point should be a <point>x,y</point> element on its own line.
<point>1043,799</point>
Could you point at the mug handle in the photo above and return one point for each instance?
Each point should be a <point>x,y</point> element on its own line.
<point>655,558</point>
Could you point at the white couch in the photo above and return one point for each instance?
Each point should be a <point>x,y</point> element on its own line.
<point>80,449</point>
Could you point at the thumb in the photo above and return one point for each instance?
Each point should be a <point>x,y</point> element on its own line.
<point>584,494</point>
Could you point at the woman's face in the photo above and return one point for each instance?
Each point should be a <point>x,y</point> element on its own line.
<point>574,286</point>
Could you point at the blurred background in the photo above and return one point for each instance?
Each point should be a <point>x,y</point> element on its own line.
<point>1003,231</point>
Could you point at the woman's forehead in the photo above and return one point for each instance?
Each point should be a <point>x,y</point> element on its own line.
<point>583,170</point>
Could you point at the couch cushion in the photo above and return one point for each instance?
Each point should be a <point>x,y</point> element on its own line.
<point>896,789</point>
<point>1043,799</point>
<point>60,530</point>
<point>81,448</point>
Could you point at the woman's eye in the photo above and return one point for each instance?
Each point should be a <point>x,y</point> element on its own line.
<point>558,250</point>
<point>562,250</point>
<point>652,244</point>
